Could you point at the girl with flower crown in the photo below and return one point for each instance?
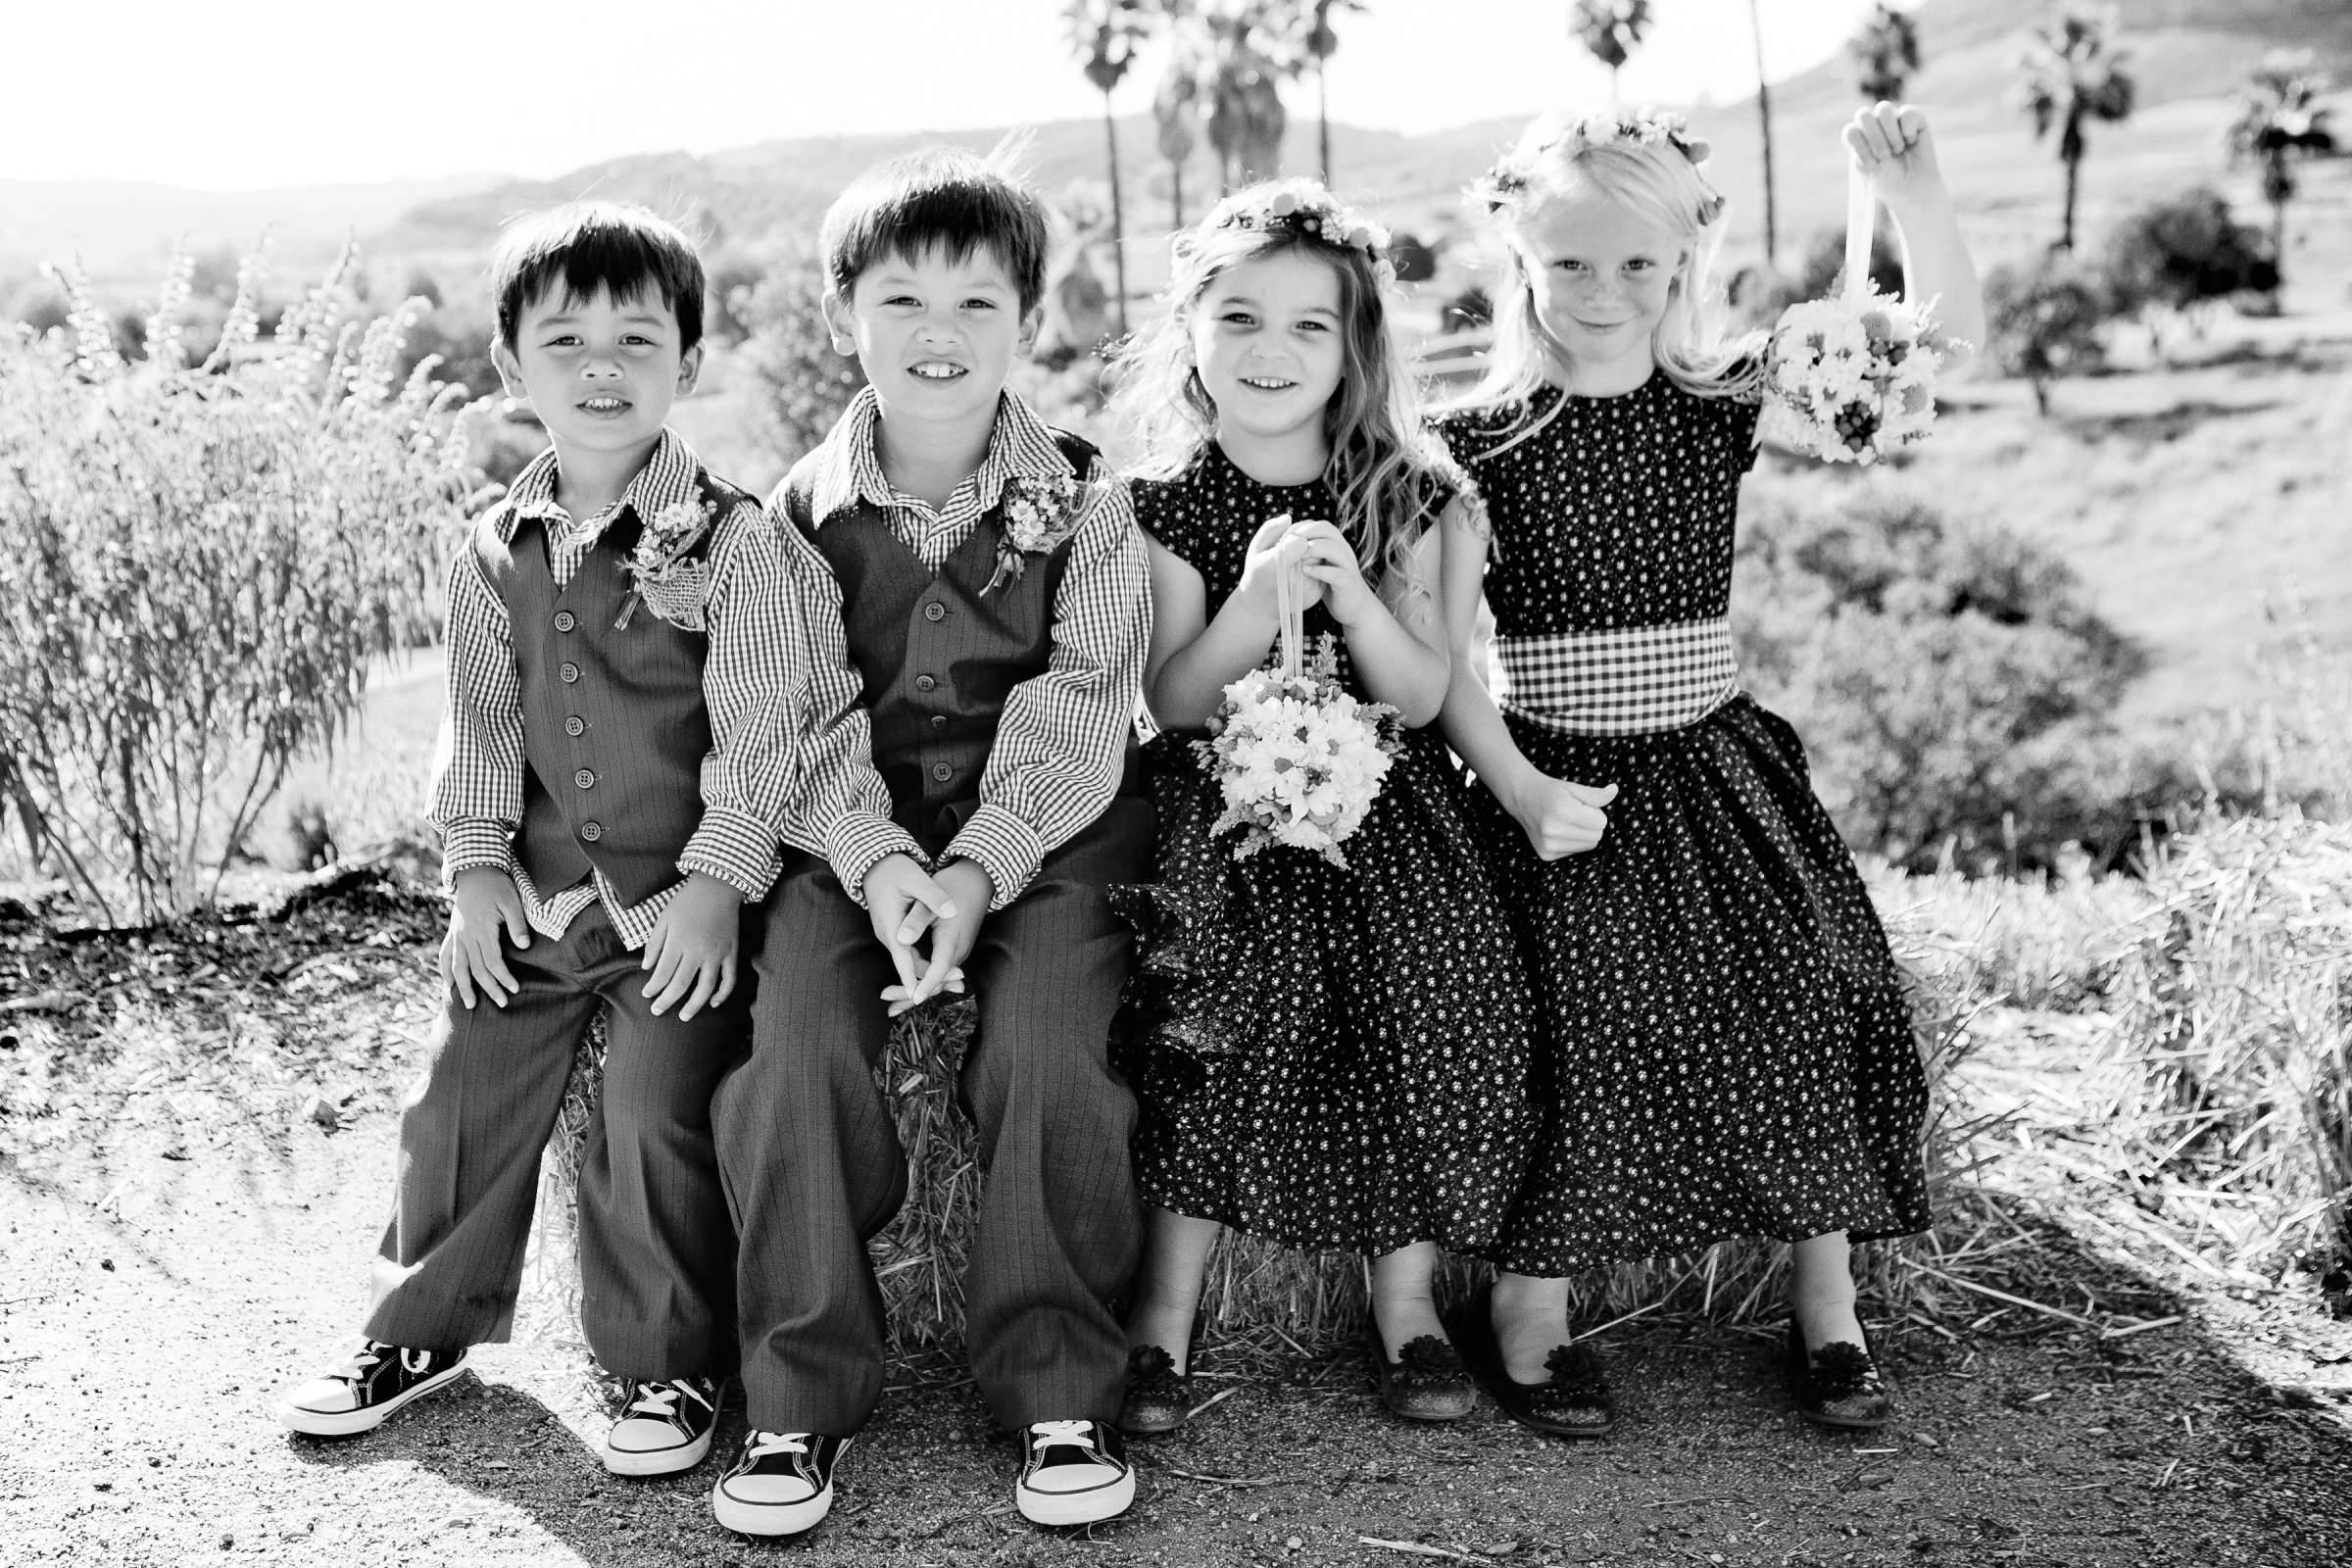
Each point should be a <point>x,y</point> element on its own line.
<point>1336,1055</point>
<point>1723,1048</point>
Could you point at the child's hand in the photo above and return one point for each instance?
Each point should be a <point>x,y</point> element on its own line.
<point>692,951</point>
<point>953,933</point>
<point>482,899</point>
<point>1562,819</point>
<point>1328,562</point>
<point>1891,144</point>
<point>1270,554</point>
<point>904,903</point>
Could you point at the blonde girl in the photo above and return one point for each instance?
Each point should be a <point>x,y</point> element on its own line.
<point>1724,1049</point>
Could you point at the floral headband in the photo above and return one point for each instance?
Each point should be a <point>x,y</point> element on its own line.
<point>1636,127</point>
<point>1304,208</point>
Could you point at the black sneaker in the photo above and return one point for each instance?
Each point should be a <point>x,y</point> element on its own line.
<point>1076,1473</point>
<point>663,1428</point>
<point>372,1382</point>
<point>781,1485</point>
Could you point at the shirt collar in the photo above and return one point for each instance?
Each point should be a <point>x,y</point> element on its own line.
<point>848,469</point>
<point>671,474</point>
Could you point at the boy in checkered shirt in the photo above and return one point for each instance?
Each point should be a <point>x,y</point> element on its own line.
<point>612,793</point>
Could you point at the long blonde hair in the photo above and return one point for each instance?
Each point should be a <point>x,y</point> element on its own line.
<point>1647,163</point>
<point>1381,461</point>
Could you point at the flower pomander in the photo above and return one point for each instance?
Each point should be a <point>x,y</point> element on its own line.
<point>664,572</point>
<point>1303,206</point>
<point>1036,517</point>
<point>1851,379</point>
<point>1298,759</point>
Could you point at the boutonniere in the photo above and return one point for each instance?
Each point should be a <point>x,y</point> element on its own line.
<point>1036,517</point>
<point>676,588</point>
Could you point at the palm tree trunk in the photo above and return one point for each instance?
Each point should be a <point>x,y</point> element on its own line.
<point>1176,195</point>
<point>1772,217</point>
<point>2066,228</point>
<point>1323,115</point>
<point>1118,218</point>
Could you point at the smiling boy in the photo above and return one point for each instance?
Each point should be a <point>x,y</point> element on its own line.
<point>974,593</point>
<point>616,769</point>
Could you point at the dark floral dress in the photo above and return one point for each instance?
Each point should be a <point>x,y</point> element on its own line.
<point>1329,1057</point>
<point>1726,1049</point>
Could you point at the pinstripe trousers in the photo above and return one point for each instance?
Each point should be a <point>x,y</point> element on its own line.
<point>814,1168</point>
<point>656,1255</point>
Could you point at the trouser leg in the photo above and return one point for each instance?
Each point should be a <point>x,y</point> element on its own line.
<point>657,1243</point>
<point>449,1266</point>
<point>811,1162</point>
<point>1059,1226</point>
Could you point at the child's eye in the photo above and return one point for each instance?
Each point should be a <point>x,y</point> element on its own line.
<point>1313,326</point>
<point>1569,264</point>
<point>980,304</point>
<point>1238,319</point>
<point>1639,263</point>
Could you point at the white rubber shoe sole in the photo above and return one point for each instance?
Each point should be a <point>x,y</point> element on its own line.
<point>655,1461</point>
<point>746,1518</point>
<point>1087,1506</point>
<point>346,1423</point>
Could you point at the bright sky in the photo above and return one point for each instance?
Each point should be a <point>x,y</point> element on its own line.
<point>240,94</point>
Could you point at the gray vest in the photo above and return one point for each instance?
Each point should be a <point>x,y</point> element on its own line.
<point>614,727</point>
<point>938,656</point>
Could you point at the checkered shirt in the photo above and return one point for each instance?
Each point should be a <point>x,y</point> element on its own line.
<point>1061,741</point>
<point>1631,682</point>
<point>747,676</point>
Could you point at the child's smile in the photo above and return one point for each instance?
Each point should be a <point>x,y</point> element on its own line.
<point>601,374</point>
<point>1265,337</point>
<point>1603,276</point>
<point>935,334</point>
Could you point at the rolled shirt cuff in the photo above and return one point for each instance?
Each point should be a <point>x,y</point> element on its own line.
<point>474,842</point>
<point>1005,846</point>
<point>735,847</point>
<point>862,841</point>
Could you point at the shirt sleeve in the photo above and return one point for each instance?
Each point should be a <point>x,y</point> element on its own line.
<point>841,812</point>
<point>747,675</point>
<point>477,777</point>
<point>1062,743</point>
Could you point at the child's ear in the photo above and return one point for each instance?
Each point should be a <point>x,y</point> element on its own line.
<point>690,369</point>
<point>510,371</point>
<point>838,323</point>
<point>1033,322</point>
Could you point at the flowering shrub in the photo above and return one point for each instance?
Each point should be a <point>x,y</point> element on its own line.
<point>197,565</point>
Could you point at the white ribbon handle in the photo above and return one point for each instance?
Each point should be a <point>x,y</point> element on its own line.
<point>1861,222</point>
<point>1287,605</point>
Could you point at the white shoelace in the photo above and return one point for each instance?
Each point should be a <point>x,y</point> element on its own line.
<point>765,1444</point>
<point>662,1398</point>
<point>1044,1434</point>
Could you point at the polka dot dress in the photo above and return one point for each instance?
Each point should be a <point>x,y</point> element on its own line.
<point>1333,1059</point>
<point>1725,1047</point>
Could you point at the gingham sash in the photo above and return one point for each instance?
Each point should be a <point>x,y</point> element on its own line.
<point>1632,682</point>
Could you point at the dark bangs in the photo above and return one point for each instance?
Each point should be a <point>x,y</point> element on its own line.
<point>943,196</point>
<point>584,247</point>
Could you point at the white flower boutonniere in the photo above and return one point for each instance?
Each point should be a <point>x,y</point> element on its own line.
<point>1036,517</point>
<point>661,576</point>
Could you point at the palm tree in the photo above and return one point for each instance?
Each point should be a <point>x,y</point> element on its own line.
<point>1885,53</point>
<point>1104,33</point>
<point>1317,42</point>
<point>1176,106</point>
<point>1772,212</point>
<point>1611,30</point>
<point>2070,74</point>
<point>2278,119</point>
<point>1243,104</point>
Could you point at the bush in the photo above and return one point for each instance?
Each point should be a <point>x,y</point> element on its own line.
<point>2043,321</point>
<point>1950,683</point>
<point>195,572</point>
<point>802,383</point>
<point>2181,254</point>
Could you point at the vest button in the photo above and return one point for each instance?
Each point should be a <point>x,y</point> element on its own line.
<point>926,684</point>
<point>576,725</point>
<point>570,672</point>
<point>592,831</point>
<point>941,772</point>
<point>939,721</point>
<point>583,778</point>
<point>934,610</point>
<point>565,620</point>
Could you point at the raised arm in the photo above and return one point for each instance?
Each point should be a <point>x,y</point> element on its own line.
<point>1897,153</point>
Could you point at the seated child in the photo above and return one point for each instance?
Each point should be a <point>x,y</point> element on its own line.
<point>613,793</point>
<point>974,593</point>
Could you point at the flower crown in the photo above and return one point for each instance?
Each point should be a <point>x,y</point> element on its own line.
<point>1304,209</point>
<point>1635,127</point>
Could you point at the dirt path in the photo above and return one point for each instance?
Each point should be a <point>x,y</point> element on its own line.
<point>180,1239</point>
